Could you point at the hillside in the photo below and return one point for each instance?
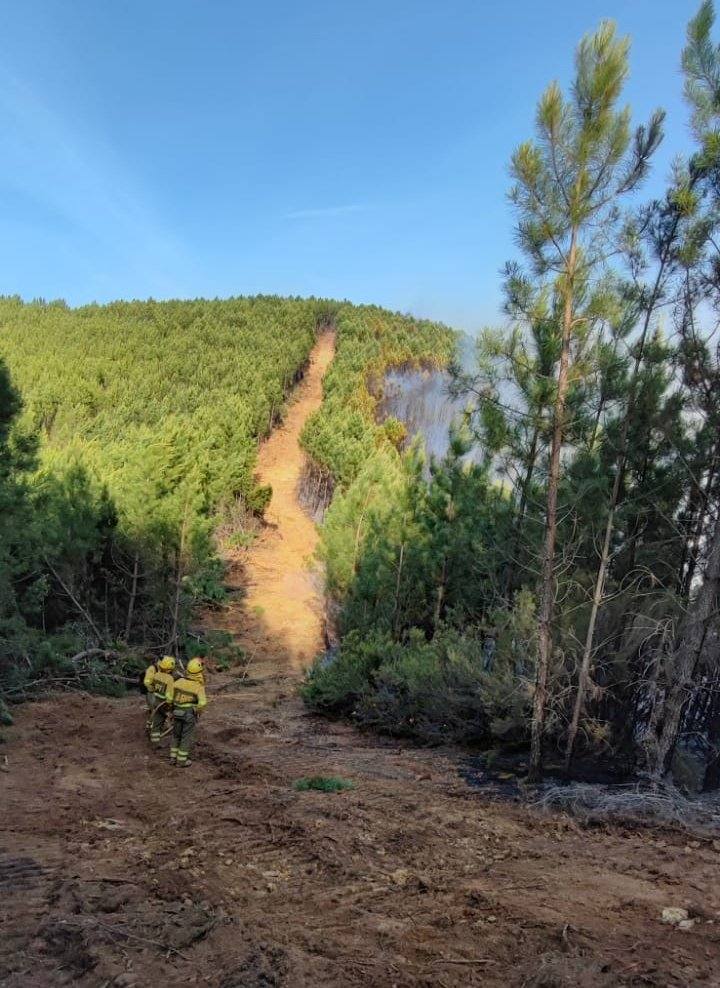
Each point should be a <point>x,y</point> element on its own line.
<point>135,427</point>
<point>117,870</point>
<point>295,692</point>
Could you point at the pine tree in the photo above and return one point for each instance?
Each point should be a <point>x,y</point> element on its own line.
<point>701,64</point>
<point>567,185</point>
<point>660,229</point>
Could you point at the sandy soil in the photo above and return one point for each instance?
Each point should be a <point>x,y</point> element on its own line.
<point>280,619</point>
<point>117,870</point>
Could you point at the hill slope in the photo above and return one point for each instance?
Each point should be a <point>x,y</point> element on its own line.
<point>148,417</point>
<point>118,870</point>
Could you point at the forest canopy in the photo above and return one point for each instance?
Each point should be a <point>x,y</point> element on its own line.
<point>129,442</point>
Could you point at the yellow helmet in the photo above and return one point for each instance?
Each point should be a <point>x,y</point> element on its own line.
<point>195,667</point>
<point>166,663</point>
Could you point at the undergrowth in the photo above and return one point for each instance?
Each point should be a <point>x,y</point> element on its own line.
<point>323,783</point>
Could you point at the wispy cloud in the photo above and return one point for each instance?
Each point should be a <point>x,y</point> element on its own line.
<point>326,212</point>
<point>50,159</point>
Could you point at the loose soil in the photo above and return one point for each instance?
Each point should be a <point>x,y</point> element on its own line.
<point>116,869</point>
<point>280,619</point>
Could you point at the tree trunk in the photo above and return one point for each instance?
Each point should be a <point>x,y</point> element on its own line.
<point>82,610</point>
<point>547,587</point>
<point>711,781</point>
<point>133,595</point>
<point>522,508</point>
<point>440,599</point>
<point>696,539</point>
<point>397,586</point>
<point>685,659</point>
<point>599,589</point>
<point>173,643</point>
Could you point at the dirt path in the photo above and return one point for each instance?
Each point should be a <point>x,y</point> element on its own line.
<point>280,621</point>
<point>117,870</point>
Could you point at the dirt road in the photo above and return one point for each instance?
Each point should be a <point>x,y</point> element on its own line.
<point>117,870</point>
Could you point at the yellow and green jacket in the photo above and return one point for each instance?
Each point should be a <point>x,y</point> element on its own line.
<point>161,683</point>
<point>150,673</point>
<point>188,694</point>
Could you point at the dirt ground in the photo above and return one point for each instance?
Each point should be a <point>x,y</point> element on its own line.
<point>117,869</point>
<point>282,616</point>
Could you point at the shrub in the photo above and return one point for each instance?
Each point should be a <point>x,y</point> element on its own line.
<point>447,689</point>
<point>323,783</point>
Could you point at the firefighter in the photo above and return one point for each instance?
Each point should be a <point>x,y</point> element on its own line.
<point>188,700</point>
<point>146,684</point>
<point>159,684</point>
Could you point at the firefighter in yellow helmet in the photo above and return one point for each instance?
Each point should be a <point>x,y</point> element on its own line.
<point>147,683</point>
<point>188,700</point>
<point>159,683</point>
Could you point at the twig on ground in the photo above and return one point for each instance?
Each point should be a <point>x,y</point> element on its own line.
<point>461,960</point>
<point>133,936</point>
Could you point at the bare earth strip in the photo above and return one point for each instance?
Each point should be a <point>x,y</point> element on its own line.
<point>281,618</point>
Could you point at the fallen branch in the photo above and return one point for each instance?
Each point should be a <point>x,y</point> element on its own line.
<point>91,653</point>
<point>460,960</point>
<point>105,878</point>
<point>133,936</point>
<point>73,598</point>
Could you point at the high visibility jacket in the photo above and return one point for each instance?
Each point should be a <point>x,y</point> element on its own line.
<point>188,694</point>
<point>150,674</point>
<point>162,685</point>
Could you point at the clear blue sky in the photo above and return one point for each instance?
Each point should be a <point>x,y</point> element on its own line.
<point>350,148</point>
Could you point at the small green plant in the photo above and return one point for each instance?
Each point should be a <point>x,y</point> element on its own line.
<point>241,540</point>
<point>259,498</point>
<point>323,783</point>
<point>218,647</point>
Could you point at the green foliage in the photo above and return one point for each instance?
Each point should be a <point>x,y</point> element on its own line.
<point>599,439</point>
<point>450,688</point>
<point>126,389</point>
<point>259,498</point>
<point>218,647</point>
<point>343,435</point>
<point>139,427</point>
<point>411,546</point>
<point>413,554</point>
<point>323,783</point>
<point>241,540</point>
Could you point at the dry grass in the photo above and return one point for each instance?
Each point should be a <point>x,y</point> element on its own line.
<point>642,803</point>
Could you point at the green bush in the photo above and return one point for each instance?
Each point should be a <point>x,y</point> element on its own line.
<point>436,691</point>
<point>323,783</point>
<point>259,498</point>
<point>337,684</point>
<point>219,647</point>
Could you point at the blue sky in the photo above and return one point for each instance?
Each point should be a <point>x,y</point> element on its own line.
<point>351,149</point>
